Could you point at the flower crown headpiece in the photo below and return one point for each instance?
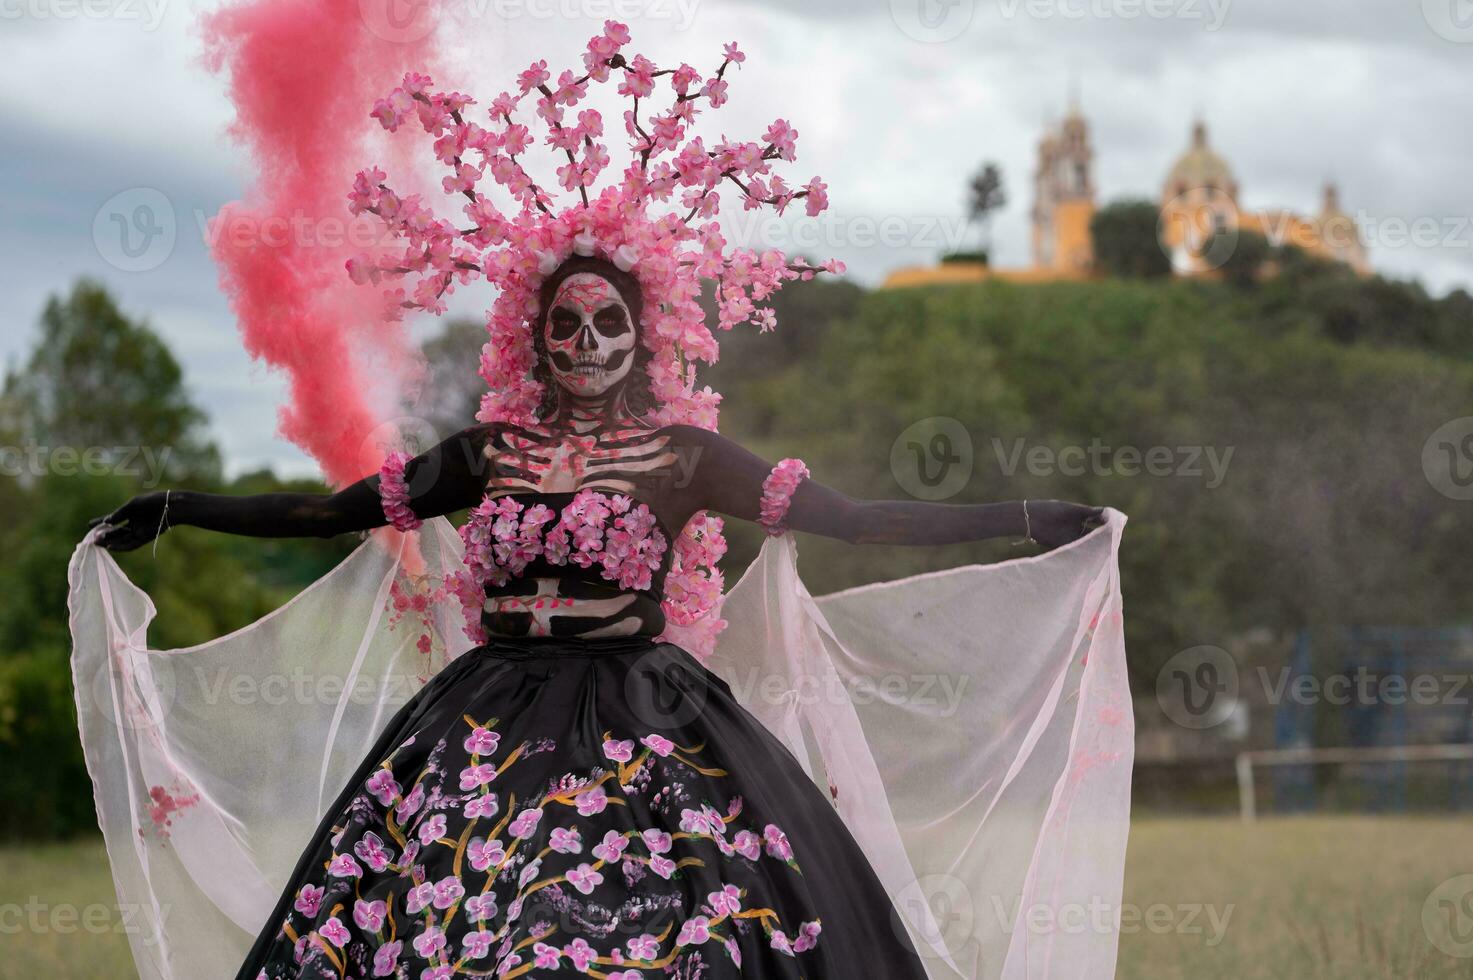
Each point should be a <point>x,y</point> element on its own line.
<point>657,222</point>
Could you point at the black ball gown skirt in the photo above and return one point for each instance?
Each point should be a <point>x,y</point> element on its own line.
<point>581,808</point>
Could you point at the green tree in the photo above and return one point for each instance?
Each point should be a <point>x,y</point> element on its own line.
<point>451,394</point>
<point>986,195</point>
<point>97,382</point>
<point>1246,256</point>
<point>1127,242</point>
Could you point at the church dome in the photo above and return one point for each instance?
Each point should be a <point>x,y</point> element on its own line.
<point>1200,168</point>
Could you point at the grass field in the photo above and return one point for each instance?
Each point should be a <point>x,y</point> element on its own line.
<point>1299,899</point>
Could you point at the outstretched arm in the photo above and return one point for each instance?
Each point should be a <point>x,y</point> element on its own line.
<point>443,480</point>
<point>728,479</point>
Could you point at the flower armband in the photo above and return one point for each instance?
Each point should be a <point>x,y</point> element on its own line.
<point>777,494</point>
<point>393,491</point>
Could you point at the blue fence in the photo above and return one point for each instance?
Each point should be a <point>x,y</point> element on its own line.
<point>1377,687</point>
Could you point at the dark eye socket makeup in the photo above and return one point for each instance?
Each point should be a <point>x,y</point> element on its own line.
<point>564,323</point>
<point>611,322</point>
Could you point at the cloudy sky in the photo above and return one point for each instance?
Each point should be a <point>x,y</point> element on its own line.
<point>102,101</point>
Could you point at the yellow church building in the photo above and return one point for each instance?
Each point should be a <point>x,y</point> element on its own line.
<point>1199,197</point>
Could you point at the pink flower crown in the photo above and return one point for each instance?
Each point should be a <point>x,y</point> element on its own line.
<point>657,222</point>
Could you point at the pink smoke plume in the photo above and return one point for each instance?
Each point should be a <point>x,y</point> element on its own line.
<point>303,75</point>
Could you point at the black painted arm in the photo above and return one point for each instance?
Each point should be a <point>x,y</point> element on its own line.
<point>447,478</point>
<point>728,479</point>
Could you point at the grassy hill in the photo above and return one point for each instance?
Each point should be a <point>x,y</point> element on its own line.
<point>1272,468</point>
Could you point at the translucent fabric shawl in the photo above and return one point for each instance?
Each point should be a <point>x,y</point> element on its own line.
<point>973,727</point>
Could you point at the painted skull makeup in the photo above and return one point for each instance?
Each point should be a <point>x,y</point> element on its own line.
<point>590,335</point>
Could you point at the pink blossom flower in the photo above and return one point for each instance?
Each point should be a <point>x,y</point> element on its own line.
<point>585,878</point>
<point>484,854</point>
<point>783,138</point>
<point>477,775</point>
<point>525,825</point>
<point>818,197</point>
<point>369,916</point>
<point>694,931</point>
<point>344,866</point>
<point>619,751</point>
<point>546,957</point>
<point>506,962</point>
<point>372,851</point>
<point>432,828</point>
<point>639,80</point>
<point>309,900</point>
<point>410,804</point>
<point>476,944</point>
<point>683,78</point>
<point>807,936</point>
<point>658,841</point>
<point>335,932</point>
<point>533,77</point>
<point>482,741</point>
<point>480,908</point>
<point>448,891</point>
<point>566,840</point>
<point>430,942</point>
<point>612,847</point>
<point>658,744</point>
<point>777,843</point>
<point>617,32</point>
<point>748,845</point>
<point>643,947</point>
<point>695,821</point>
<point>580,954</point>
<point>485,805</point>
<point>419,898</point>
<point>728,901</point>
<point>386,958</point>
<point>591,801</point>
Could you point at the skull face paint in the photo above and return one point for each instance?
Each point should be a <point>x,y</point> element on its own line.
<point>589,336</point>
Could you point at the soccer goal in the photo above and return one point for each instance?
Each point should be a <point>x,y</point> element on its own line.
<point>1249,763</point>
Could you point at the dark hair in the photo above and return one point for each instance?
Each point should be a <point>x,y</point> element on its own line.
<point>639,398</point>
